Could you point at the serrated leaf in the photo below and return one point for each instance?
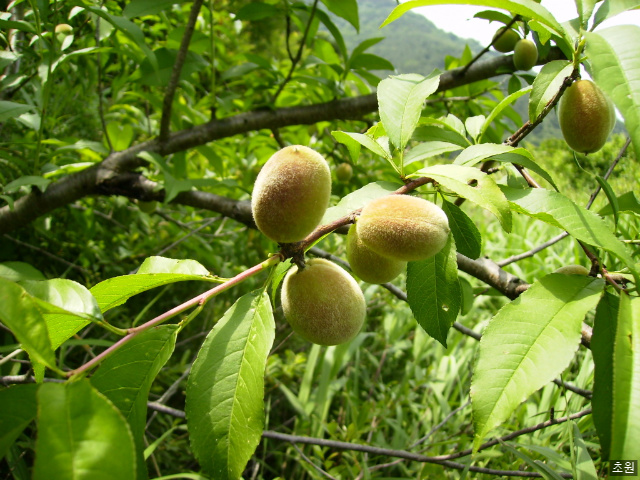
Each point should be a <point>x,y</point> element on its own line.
<point>125,378</point>
<point>556,209</point>
<point>18,410</point>
<point>525,8</point>
<point>485,193</point>
<point>154,272</point>
<point>433,292</point>
<point>547,84</point>
<point>527,344</point>
<point>81,435</point>
<point>615,67</point>
<point>466,234</point>
<point>400,101</point>
<point>602,341</point>
<point>611,8</point>
<point>20,313</point>
<point>225,391</point>
<point>625,421</point>
<point>359,199</point>
<point>428,150</point>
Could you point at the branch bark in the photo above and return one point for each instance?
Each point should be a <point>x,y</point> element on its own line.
<point>90,181</point>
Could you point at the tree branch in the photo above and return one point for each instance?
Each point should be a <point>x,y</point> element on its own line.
<point>167,103</point>
<point>80,184</point>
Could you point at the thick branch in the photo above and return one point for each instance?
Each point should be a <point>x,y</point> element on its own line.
<point>81,184</point>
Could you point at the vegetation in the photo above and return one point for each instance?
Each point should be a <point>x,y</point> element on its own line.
<point>143,315</point>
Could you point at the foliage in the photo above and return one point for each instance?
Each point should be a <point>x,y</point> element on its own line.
<point>142,334</point>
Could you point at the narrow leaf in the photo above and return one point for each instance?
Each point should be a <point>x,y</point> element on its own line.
<point>81,435</point>
<point>126,376</point>
<point>556,209</point>
<point>584,468</point>
<point>527,344</point>
<point>465,232</point>
<point>611,196</point>
<point>400,100</point>
<point>359,199</point>
<point>627,202</point>
<point>433,292</point>
<point>347,9</point>
<point>602,341</point>
<point>19,312</point>
<point>139,8</point>
<point>615,67</point>
<point>225,391</point>
<point>18,271</point>
<point>18,410</point>
<point>484,193</point>
<point>364,140</point>
<point>504,103</point>
<point>12,109</point>
<point>154,272</point>
<point>611,8</point>
<point>625,421</point>
<point>547,84</point>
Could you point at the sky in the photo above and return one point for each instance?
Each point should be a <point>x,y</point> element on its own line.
<point>458,19</point>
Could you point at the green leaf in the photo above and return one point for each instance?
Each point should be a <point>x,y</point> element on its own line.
<point>400,100</point>
<point>522,157</point>
<point>19,312</point>
<point>611,8</point>
<point>365,140</point>
<point>485,193</point>
<point>17,271</point>
<point>125,378</point>
<point>504,103</point>
<point>81,435</point>
<point>584,469</point>
<point>544,470</point>
<point>156,71</point>
<point>625,421</point>
<point>627,202</point>
<point>433,292</point>
<point>556,209</point>
<point>611,196</point>
<point>525,8</point>
<point>154,272</point>
<point>429,149</point>
<point>359,199</point>
<point>602,341</point>
<point>140,8</point>
<point>476,153</point>
<point>527,344</point>
<point>26,181</point>
<point>18,410</point>
<point>257,11</point>
<point>585,9</point>
<point>547,84</point>
<point>225,391</point>
<point>474,125</point>
<point>347,9</point>
<point>465,232</point>
<point>12,109</point>
<point>615,67</point>
<point>68,296</point>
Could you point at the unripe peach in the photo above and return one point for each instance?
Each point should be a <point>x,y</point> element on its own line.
<point>403,227</point>
<point>344,172</point>
<point>573,270</point>
<point>586,116</point>
<point>323,303</point>
<point>525,54</point>
<point>507,41</point>
<point>291,194</point>
<point>367,264</point>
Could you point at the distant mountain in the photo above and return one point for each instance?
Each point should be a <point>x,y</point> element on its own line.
<point>413,43</point>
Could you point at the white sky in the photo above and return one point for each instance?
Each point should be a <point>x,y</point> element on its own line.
<point>458,19</point>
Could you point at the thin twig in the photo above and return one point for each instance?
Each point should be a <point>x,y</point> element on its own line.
<point>308,460</point>
<point>198,300</point>
<point>295,60</point>
<point>48,254</point>
<point>167,103</point>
